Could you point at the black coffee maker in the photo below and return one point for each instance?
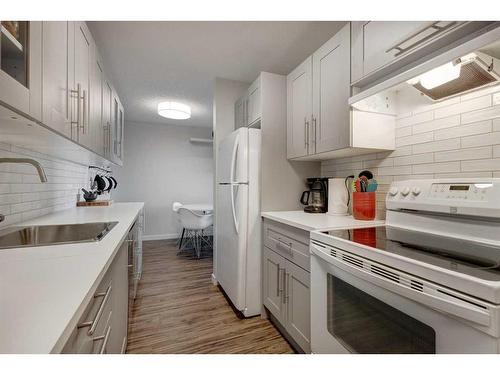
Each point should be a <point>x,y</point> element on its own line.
<point>316,198</point>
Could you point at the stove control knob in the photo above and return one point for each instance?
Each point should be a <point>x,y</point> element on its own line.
<point>416,191</point>
<point>393,191</point>
<point>405,191</point>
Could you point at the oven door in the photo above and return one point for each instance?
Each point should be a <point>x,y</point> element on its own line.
<point>355,315</point>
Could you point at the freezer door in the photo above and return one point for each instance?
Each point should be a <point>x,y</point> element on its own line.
<point>232,158</point>
<point>232,217</point>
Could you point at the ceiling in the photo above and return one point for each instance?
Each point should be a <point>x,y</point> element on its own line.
<point>149,62</point>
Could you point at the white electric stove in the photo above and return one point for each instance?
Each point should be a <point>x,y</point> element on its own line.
<point>426,282</point>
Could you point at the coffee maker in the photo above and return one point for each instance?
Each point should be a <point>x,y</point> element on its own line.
<point>315,199</point>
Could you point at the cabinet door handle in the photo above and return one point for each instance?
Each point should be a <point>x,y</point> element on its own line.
<point>84,110</point>
<point>278,283</point>
<point>283,292</point>
<point>285,246</point>
<point>306,127</point>
<point>76,94</point>
<point>287,287</point>
<point>105,339</point>
<point>314,130</point>
<point>434,25</point>
<point>93,323</point>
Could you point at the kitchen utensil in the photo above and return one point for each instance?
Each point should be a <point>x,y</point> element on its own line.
<point>367,174</point>
<point>89,196</point>
<point>357,185</point>
<point>101,184</point>
<point>115,184</point>
<point>372,186</point>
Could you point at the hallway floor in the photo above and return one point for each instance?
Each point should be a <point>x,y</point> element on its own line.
<point>179,310</point>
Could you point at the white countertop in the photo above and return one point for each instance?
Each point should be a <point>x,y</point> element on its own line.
<point>43,290</point>
<point>311,222</point>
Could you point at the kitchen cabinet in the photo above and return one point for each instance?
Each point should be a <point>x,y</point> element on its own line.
<point>117,129</point>
<point>318,116</point>
<point>57,74</point>
<point>299,114</point>
<point>254,111</point>
<point>20,66</point>
<point>240,112</point>
<point>102,328</point>
<point>96,103</point>
<point>248,108</point>
<point>83,45</point>
<point>382,47</point>
<point>286,280</point>
<point>331,92</point>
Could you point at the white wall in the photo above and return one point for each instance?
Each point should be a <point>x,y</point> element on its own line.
<point>23,196</point>
<point>160,167</point>
<point>459,137</point>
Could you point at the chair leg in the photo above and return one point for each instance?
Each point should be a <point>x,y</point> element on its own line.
<point>182,238</point>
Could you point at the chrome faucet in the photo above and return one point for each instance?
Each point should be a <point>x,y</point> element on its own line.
<point>34,163</point>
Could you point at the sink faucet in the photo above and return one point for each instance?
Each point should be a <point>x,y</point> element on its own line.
<point>34,163</point>
<point>37,165</point>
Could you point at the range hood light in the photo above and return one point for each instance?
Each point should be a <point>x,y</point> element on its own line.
<point>440,75</point>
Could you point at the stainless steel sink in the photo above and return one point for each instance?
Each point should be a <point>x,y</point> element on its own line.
<point>46,235</point>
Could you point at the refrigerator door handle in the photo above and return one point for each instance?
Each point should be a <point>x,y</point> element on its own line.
<point>233,158</point>
<point>235,220</point>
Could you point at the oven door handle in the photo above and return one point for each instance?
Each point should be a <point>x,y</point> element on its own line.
<point>450,305</point>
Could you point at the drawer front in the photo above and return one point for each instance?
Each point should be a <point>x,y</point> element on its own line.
<point>289,242</point>
<point>82,338</point>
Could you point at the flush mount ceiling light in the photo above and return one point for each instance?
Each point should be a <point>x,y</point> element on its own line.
<point>174,110</point>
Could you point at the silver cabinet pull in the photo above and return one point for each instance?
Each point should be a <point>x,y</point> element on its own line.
<point>287,287</point>
<point>287,246</point>
<point>104,338</point>
<point>76,94</point>
<point>306,133</point>
<point>93,323</point>
<point>278,286</point>
<point>283,291</point>
<point>434,25</point>
<point>314,140</point>
<point>84,111</point>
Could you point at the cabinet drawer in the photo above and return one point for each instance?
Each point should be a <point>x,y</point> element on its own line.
<point>291,243</point>
<point>93,321</point>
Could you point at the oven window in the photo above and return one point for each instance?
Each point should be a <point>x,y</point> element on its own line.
<point>364,324</point>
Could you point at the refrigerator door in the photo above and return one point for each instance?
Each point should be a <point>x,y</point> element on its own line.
<point>232,160</point>
<point>232,226</point>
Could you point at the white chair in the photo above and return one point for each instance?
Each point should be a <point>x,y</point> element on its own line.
<point>175,208</point>
<point>195,223</point>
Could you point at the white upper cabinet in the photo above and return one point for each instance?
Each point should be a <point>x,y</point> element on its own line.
<point>56,73</point>
<point>248,108</point>
<point>20,66</point>
<point>96,102</point>
<point>381,47</point>
<point>254,111</point>
<point>299,114</point>
<point>331,92</point>
<point>83,63</point>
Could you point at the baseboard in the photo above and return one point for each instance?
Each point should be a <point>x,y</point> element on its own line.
<point>164,236</point>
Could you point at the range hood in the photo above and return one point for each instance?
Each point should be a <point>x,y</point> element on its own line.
<point>464,74</point>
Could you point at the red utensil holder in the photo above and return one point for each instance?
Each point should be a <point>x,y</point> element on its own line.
<point>364,205</point>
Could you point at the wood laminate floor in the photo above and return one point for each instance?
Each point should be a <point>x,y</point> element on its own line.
<point>179,310</point>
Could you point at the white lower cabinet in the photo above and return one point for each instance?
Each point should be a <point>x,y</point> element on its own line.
<point>286,285</point>
<point>102,328</point>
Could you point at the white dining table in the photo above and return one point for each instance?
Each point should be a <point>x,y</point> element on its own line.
<point>200,207</point>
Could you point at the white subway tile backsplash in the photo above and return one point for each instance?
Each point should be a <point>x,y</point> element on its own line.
<point>23,196</point>
<point>459,137</point>
<point>463,106</point>
<point>484,114</point>
<point>464,154</point>
<point>412,120</point>
<point>481,165</point>
<point>464,130</point>
<point>414,139</point>
<point>446,122</point>
<point>481,140</point>
<point>436,168</point>
<point>448,144</point>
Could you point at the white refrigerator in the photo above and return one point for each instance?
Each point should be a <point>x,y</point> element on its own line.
<point>237,214</point>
